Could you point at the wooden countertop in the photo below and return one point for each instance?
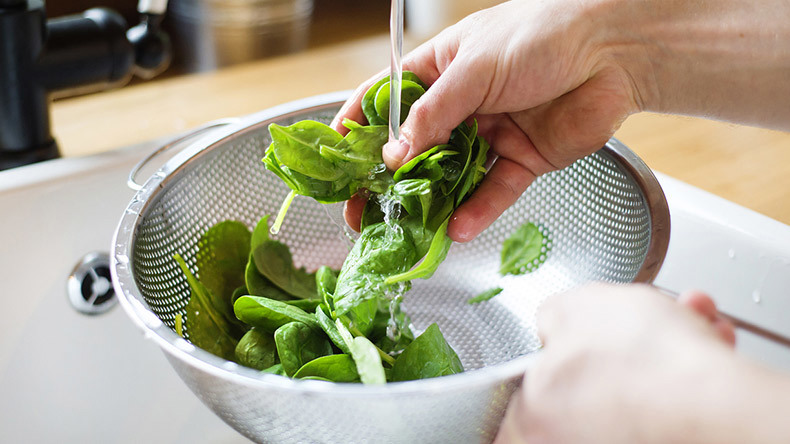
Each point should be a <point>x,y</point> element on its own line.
<point>749,166</point>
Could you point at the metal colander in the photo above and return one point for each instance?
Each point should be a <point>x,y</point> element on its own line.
<point>606,220</point>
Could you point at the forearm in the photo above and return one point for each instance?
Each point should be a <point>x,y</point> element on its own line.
<point>738,401</point>
<point>723,59</point>
<point>753,407</point>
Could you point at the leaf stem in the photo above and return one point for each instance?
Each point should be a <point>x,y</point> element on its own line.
<point>281,215</point>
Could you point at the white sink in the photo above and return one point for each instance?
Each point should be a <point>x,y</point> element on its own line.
<point>69,377</point>
<point>66,376</point>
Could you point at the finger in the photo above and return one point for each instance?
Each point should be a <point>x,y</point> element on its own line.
<point>352,211</point>
<point>500,188</point>
<point>454,96</point>
<point>704,305</point>
<point>700,302</point>
<point>508,140</point>
<point>725,330</point>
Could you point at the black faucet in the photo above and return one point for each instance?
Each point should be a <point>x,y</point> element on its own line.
<point>81,53</point>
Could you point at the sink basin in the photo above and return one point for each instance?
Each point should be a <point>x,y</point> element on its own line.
<point>71,377</point>
<point>66,376</point>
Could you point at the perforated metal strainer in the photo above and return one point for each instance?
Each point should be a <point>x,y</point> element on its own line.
<point>605,215</point>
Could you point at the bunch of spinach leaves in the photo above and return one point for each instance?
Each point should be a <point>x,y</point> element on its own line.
<point>280,319</point>
<point>404,223</point>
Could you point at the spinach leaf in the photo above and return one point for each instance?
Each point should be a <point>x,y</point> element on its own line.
<point>440,245</point>
<point>366,356</point>
<point>377,253</point>
<point>410,92</point>
<point>369,108</point>
<point>429,356</point>
<point>269,315</point>
<point>298,344</point>
<point>256,349</point>
<point>336,368</point>
<point>276,369</point>
<point>308,305</point>
<point>256,283</point>
<point>273,260</point>
<point>206,327</point>
<point>326,282</point>
<point>484,296</point>
<point>331,330</point>
<point>415,196</point>
<point>521,252</point>
<point>367,360</point>
<point>222,255</point>
<point>296,147</point>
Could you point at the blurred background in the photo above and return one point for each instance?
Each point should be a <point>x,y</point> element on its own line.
<point>209,34</point>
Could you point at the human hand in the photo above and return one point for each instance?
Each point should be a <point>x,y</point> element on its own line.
<point>626,364</point>
<point>537,77</point>
<point>550,82</point>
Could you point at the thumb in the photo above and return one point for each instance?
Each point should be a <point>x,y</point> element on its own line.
<point>454,97</point>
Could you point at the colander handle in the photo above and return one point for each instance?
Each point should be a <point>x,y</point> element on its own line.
<point>741,324</point>
<point>131,181</point>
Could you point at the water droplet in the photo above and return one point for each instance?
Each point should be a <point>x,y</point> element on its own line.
<point>122,259</point>
<point>184,345</point>
<point>230,366</point>
<point>756,296</point>
<point>731,253</point>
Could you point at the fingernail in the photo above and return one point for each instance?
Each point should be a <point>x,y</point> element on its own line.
<point>395,152</point>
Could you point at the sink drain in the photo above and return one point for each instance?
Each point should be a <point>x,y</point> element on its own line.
<point>90,286</point>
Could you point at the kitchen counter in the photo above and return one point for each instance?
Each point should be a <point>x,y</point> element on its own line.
<point>746,165</point>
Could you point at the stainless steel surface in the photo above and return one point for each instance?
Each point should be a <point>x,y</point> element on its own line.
<point>131,180</point>
<point>600,223</point>
<point>213,33</point>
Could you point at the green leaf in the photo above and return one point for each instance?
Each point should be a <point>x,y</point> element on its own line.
<point>257,350</point>
<point>369,99</point>
<point>256,283</point>
<point>377,253</point>
<point>206,327</point>
<point>273,260</point>
<point>475,172</point>
<point>369,103</point>
<point>415,196</point>
<point>308,305</point>
<point>298,344</point>
<point>404,171</point>
<point>330,328</point>
<point>336,368</point>
<point>484,296</point>
<point>367,360</point>
<point>429,356</point>
<point>410,92</point>
<point>222,256</point>
<point>326,282</point>
<point>522,250</point>
<point>297,147</point>
<point>440,245</point>
<point>269,315</point>
<point>276,369</point>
